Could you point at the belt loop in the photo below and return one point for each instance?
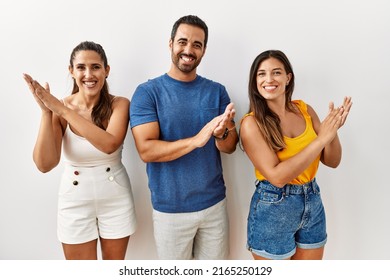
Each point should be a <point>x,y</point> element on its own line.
<point>287,190</point>
<point>315,186</point>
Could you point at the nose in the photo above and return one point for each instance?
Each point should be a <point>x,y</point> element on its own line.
<point>88,72</point>
<point>269,78</point>
<point>188,49</point>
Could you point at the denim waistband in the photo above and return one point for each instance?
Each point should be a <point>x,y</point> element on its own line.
<point>309,187</point>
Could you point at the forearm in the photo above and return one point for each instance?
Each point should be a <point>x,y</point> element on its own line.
<point>331,154</point>
<point>46,154</point>
<point>163,151</point>
<point>285,171</point>
<point>229,144</point>
<point>98,137</point>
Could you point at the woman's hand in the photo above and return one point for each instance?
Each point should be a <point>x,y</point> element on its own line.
<point>334,120</point>
<point>42,95</point>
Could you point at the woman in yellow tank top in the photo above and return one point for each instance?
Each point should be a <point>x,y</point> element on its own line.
<point>285,141</point>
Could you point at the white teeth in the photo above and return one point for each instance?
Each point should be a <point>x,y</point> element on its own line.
<point>89,84</point>
<point>186,58</point>
<point>270,87</point>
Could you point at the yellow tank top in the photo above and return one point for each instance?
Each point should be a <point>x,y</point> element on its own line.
<point>295,145</point>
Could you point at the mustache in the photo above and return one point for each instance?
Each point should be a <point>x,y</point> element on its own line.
<point>188,55</point>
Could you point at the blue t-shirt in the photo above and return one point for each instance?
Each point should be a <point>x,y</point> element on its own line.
<point>194,181</point>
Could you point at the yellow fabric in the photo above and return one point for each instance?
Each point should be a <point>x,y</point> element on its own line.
<point>295,145</point>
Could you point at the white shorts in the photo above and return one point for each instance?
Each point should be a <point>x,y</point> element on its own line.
<point>202,235</point>
<point>95,201</point>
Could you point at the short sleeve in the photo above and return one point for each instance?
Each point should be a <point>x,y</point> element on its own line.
<point>142,107</point>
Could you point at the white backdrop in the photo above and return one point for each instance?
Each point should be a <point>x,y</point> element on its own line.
<point>337,48</point>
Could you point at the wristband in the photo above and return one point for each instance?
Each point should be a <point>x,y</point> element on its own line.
<point>224,136</point>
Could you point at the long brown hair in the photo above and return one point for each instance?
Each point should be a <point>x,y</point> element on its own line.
<point>102,110</point>
<point>268,121</point>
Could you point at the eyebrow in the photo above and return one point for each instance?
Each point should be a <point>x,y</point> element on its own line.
<point>262,70</point>
<point>185,39</point>
<point>93,64</point>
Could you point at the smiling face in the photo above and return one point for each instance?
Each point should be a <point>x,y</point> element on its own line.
<point>187,50</point>
<point>272,79</point>
<point>89,72</point>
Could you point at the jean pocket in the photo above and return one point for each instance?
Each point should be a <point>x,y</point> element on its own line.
<point>270,197</point>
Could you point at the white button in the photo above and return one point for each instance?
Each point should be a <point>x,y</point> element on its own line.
<point>111,178</point>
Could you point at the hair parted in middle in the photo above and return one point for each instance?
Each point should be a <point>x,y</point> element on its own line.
<point>268,121</point>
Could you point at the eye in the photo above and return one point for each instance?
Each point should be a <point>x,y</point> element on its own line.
<point>80,67</point>
<point>261,74</point>
<point>197,46</point>
<point>96,67</point>
<point>277,73</point>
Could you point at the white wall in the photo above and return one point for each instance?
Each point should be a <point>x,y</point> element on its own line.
<point>337,48</point>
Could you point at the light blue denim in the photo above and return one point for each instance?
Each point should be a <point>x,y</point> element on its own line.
<point>282,219</point>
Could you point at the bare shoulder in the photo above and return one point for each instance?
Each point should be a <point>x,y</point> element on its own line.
<point>249,128</point>
<point>119,101</point>
<point>311,111</point>
<point>248,122</point>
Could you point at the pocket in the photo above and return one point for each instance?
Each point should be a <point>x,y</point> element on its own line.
<point>118,184</point>
<point>68,185</point>
<point>269,194</point>
<point>122,179</point>
<point>270,197</point>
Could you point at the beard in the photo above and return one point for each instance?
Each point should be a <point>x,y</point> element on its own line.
<point>185,68</point>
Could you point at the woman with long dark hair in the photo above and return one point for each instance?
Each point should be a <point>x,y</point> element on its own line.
<point>89,127</point>
<point>285,141</point>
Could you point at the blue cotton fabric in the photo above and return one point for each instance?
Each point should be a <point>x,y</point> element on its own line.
<point>194,181</point>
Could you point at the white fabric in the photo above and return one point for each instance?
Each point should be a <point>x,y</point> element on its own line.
<point>202,235</point>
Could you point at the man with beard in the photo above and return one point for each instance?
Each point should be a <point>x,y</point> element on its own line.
<point>181,122</point>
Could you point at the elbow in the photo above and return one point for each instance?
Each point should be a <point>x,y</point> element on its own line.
<point>44,167</point>
<point>278,181</point>
<point>145,157</point>
<point>278,184</point>
<point>110,148</point>
<point>230,151</point>
<point>233,149</point>
<point>334,164</point>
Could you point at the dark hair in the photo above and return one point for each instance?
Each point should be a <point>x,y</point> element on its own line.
<point>191,20</point>
<point>269,122</point>
<point>102,110</point>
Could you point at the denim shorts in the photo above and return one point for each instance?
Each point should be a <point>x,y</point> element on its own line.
<point>282,219</point>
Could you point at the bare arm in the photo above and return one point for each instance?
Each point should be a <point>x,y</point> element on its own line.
<point>265,159</point>
<point>227,145</point>
<point>47,149</point>
<point>107,140</point>
<point>151,149</point>
<point>332,152</point>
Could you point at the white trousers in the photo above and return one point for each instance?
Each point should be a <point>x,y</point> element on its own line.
<point>202,235</point>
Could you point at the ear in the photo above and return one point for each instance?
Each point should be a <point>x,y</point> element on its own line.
<point>170,44</point>
<point>107,71</point>
<point>71,70</point>
<point>289,76</point>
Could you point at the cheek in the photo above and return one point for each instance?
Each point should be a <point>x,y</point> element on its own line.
<point>259,84</point>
